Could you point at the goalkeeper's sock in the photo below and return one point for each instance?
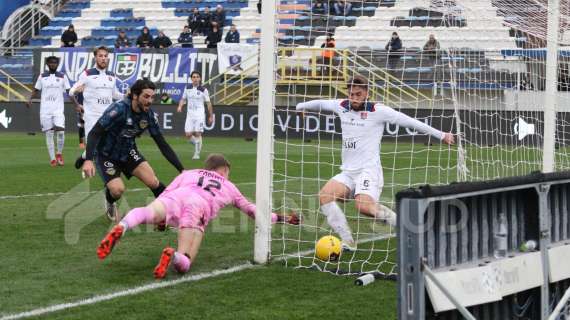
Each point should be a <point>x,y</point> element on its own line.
<point>182,262</point>
<point>60,135</point>
<point>337,220</point>
<point>50,144</point>
<point>137,216</point>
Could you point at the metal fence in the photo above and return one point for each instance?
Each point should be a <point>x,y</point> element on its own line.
<point>452,230</point>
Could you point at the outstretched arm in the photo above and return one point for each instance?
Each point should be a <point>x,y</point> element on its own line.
<point>167,151</point>
<point>249,208</point>
<point>390,115</point>
<point>330,106</point>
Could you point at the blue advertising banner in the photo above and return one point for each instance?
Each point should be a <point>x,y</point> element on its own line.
<point>169,68</point>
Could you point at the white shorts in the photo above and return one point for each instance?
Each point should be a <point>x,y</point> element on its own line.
<point>90,121</point>
<point>194,123</point>
<point>366,181</point>
<point>49,121</point>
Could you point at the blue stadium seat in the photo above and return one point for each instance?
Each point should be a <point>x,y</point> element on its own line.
<point>122,13</point>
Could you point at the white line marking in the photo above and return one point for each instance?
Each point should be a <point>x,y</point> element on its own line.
<point>56,194</point>
<point>128,292</point>
<point>157,285</point>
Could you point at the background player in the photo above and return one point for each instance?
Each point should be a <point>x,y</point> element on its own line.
<point>112,142</point>
<point>196,96</point>
<point>362,125</point>
<point>53,86</point>
<point>98,86</point>
<point>189,203</point>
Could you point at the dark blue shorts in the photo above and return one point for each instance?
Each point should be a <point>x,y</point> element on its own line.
<point>110,169</point>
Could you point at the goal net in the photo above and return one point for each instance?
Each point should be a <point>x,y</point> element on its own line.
<point>484,80</point>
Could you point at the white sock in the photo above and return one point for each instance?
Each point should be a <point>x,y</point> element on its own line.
<point>84,154</point>
<point>50,145</point>
<point>60,135</point>
<point>337,220</point>
<point>125,226</point>
<point>199,144</point>
<point>196,145</point>
<point>192,140</point>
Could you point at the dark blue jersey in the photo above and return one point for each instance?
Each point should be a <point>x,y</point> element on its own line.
<point>122,125</point>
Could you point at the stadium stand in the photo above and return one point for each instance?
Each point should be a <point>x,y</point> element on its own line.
<point>97,22</point>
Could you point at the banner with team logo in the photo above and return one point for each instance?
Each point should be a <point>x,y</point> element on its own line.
<point>169,68</point>
<point>235,58</point>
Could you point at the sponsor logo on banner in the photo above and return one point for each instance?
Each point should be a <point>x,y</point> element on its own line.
<point>5,120</point>
<point>234,58</point>
<point>169,68</point>
<point>126,65</point>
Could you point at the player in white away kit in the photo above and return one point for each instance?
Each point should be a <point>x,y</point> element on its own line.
<point>189,203</point>
<point>53,86</point>
<point>362,125</point>
<point>196,96</point>
<point>99,90</point>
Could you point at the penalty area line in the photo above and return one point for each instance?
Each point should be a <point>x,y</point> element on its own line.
<point>127,292</point>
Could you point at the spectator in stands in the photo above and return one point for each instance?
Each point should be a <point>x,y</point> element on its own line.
<point>162,41</point>
<point>69,37</point>
<point>145,39</point>
<point>122,40</point>
<point>214,36</point>
<point>185,38</point>
<point>320,8</point>
<point>259,6</point>
<point>194,21</point>
<point>165,99</point>
<point>393,46</point>
<point>205,21</point>
<point>342,8</point>
<point>219,16</point>
<point>327,55</point>
<point>432,45</point>
<point>233,35</point>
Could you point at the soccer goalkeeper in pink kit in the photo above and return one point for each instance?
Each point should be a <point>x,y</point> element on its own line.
<point>192,200</point>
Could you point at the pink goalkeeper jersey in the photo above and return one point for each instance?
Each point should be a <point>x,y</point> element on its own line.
<point>215,191</point>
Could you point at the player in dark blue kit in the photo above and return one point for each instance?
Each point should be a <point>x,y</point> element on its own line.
<point>111,143</point>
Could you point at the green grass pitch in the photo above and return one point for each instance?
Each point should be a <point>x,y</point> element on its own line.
<point>49,238</point>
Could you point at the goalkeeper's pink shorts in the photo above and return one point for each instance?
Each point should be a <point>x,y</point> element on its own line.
<point>184,210</point>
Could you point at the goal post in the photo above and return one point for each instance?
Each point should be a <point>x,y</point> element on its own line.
<point>266,104</point>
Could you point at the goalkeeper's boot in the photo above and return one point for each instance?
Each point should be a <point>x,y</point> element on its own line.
<point>348,246</point>
<point>110,240</point>
<point>165,260</point>
<point>112,211</point>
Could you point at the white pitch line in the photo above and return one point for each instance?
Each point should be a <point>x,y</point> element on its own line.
<point>156,285</point>
<point>128,292</point>
<point>55,194</point>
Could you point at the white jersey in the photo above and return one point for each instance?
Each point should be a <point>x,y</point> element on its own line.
<point>196,97</point>
<point>362,130</point>
<point>99,92</point>
<point>53,87</point>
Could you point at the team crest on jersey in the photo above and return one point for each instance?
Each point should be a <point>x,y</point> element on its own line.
<point>363,115</point>
<point>126,65</point>
<point>143,124</point>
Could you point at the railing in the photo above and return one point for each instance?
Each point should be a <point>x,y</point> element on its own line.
<point>306,66</point>
<point>9,85</point>
<point>27,23</point>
